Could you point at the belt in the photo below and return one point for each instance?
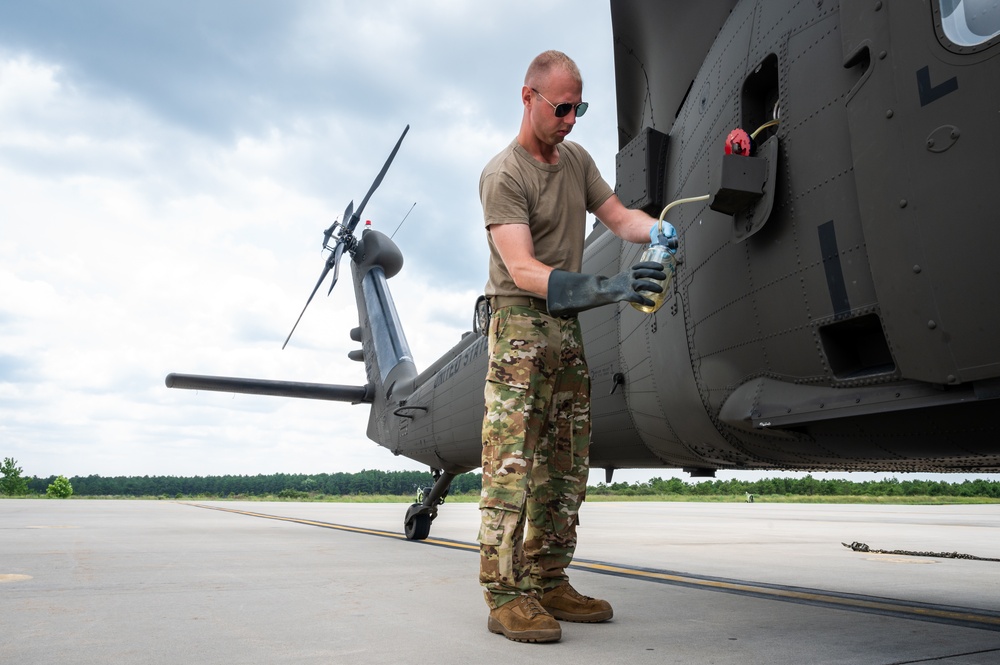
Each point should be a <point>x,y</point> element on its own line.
<point>537,304</point>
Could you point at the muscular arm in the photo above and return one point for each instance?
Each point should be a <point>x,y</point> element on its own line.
<point>631,225</point>
<point>517,250</point>
<point>513,242</point>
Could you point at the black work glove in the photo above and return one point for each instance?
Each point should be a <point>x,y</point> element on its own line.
<point>572,292</point>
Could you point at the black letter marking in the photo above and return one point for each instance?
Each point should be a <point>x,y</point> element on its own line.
<point>834,271</point>
<point>930,93</point>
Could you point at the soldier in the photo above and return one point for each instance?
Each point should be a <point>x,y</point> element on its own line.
<point>536,432</point>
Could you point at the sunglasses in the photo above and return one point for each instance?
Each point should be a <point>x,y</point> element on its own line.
<point>562,110</point>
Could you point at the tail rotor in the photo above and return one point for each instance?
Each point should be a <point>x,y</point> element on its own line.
<point>342,235</point>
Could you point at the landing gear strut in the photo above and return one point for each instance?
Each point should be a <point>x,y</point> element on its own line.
<point>417,524</point>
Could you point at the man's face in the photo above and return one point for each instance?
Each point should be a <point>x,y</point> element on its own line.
<point>557,87</point>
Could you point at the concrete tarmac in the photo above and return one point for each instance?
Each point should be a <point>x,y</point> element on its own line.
<point>168,582</point>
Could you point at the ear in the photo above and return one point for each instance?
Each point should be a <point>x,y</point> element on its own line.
<point>526,96</point>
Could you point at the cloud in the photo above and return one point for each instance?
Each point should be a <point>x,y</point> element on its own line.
<point>168,170</point>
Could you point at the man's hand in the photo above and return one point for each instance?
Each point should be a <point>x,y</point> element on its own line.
<point>571,292</point>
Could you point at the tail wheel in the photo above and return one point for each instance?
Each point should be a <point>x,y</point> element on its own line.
<point>418,527</point>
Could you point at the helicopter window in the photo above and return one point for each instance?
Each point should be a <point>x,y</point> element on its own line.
<point>969,23</point>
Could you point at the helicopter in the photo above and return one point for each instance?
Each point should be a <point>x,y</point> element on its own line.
<point>833,303</point>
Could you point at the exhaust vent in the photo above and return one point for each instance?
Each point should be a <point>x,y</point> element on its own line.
<point>857,348</point>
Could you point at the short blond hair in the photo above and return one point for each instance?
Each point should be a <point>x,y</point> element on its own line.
<point>545,63</point>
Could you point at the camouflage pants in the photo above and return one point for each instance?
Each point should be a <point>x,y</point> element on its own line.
<point>536,446</point>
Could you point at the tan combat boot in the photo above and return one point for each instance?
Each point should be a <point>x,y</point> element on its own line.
<point>524,620</point>
<point>566,604</point>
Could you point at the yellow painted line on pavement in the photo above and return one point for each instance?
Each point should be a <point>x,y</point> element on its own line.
<point>819,597</point>
<point>297,520</point>
<point>967,617</point>
<point>340,527</point>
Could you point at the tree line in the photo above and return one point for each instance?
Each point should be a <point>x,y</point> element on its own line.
<point>405,483</point>
<point>807,486</point>
<point>12,484</point>
<point>291,485</point>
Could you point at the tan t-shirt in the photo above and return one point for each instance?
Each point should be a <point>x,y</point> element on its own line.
<point>552,199</point>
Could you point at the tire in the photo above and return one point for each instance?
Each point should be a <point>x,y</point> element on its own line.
<point>418,528</point>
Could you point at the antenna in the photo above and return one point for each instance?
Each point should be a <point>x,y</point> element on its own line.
<point>403,220</point>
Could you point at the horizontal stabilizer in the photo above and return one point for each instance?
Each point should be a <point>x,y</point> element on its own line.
<point>227,384</point>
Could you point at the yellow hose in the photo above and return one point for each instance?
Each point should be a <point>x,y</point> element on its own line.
<point>772,123</point>
<point>693,199</point>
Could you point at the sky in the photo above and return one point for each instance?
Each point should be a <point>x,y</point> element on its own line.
<point>166,172</point>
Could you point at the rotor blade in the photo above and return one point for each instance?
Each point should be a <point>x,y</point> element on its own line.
<point>343,220</point>
<point>337,253</point>
<point>378,181</point>
<point>349,221</point>
<point>328,233</point>
<point>326,269</point>
<point>348,214</point>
